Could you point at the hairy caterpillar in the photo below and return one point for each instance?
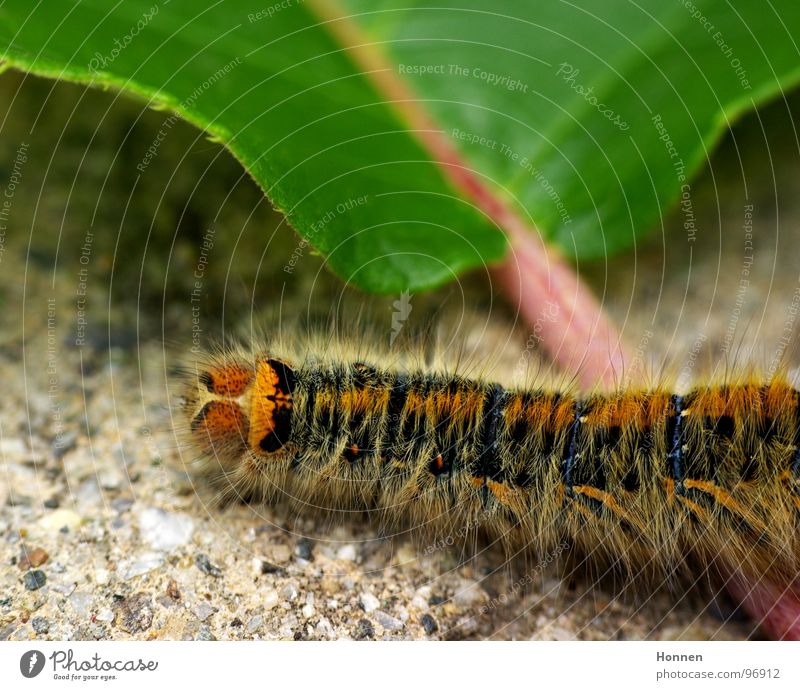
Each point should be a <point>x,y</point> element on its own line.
<point>643,477</point>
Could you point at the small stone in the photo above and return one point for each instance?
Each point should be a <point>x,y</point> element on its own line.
<point>369,602</point>
<point>289,591</point>
<point>15,499</point>
<point>307,610</point>
<point>388,622</point>
<point>41,626</point>
<point>88,494</point>
<point>205,634</point>
<point>144,564</point>
<point>172,590</point>
<point>58,519</point>
<point>106,615</point>
<point>437,600</point>
<point>271,599</point>
<point>102,576</point>
<point>109,480</point>
<point>52,503</point>
<point>304,548</point>
<point>24,616</point>
<point>347,553</point>
<point>165,531</point>
<point>81,603</point>
<point>469,594</point>
<point>122,505</point>
<point>34,579</point>
<point>330,585</point>
<point>268,568</point>
<point>429,623</point>
<point>203,610</point>
<point>324,628</point>
<point>254,624</point>
<point>364,630</point>
<point>236,622</point>
<point>64,588</point>
<point>280,553</point>
<point>135,613</point>
<point>419,603</point>
<point>205,566</point>
<point>32,558</point>
<point>13,446</point>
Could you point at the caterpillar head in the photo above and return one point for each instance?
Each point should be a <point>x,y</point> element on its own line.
<point>235,407</point>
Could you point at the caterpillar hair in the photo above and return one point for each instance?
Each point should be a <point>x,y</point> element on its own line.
<point>647,478</point>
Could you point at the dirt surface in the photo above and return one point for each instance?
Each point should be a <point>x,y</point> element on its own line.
<point>103,533</point>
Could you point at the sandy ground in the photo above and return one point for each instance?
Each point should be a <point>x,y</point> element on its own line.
<point>104,535</point>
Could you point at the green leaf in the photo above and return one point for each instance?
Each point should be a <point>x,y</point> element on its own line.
<point>588,118</point>
<point>291,106</point>
<point>594,115</point>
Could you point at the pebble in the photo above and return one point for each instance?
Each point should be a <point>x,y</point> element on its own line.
<point>109,480</point>
<point>325,629</point>
<point>165,531</point>
<point>58,567</point>
<point>469,594</point>
<point>122,505</point>
<point>254,624</point>
<point>429,623</point>
<point>13,446</point>
<point>41,626</point>
<point>304,548</point>
<point>347,553</point>
<point>135,613</point>
<point>419,603</point>
<point>206,566</point>
<point>58,519</point>
<point>81,602</point>
<point>271,599</point>
<point>268,568</point>
<point>388,622</point>
<point>369,602</point>
<point>64,588</point>
<point>16,500</point>
<point>89,495</point>
<point>280,553</point>
<point>172,590</point>
<point>205,634</point>
<point>203,610</point>
<point>32,558</point>
<point>144,564</point>
<point>106,615</point>
<point>102,576</point>
<point>34,579</point>
<point>364,630</point>
<point>289,591</point>
<point>52,502</point>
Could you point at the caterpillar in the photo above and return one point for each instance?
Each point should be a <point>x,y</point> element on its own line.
<point>644,477</point>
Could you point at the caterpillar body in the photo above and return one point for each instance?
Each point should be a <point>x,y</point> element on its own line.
<point>646,477</point>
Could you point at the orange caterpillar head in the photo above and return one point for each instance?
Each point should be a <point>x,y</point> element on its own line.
<point>234,407</point>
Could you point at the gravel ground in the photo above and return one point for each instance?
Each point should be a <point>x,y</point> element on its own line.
<point>104,535</point>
